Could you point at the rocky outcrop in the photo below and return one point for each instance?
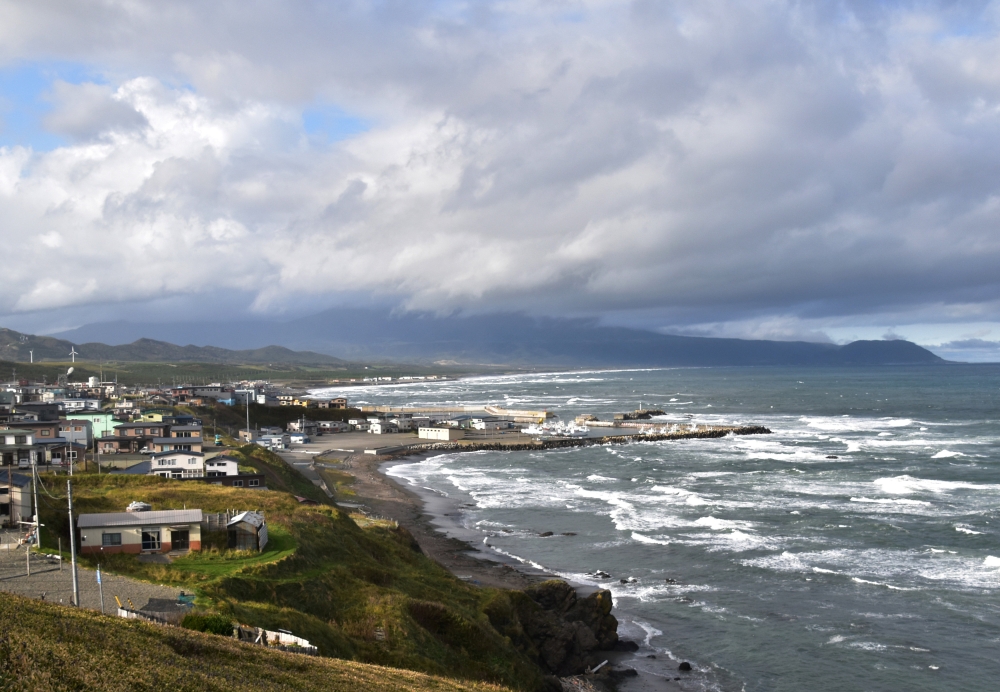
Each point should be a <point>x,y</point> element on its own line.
<point>556,628</point>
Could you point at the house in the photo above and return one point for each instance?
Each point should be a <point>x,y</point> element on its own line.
<point>274,441</point>
<point>222,466</point>
<point>298,438</point>
<point>446,434</point>
<point>15,498</point>
<point>183,444</point>
<point>174,530</point>
<point>249,435</point>
<point>77,431</point>
<point>176,464</point>
<point>247,531</point>
<point>185,431</point>
<point>245,480</point>
<point>102,423</point>
<point>271,430</point>
<point>308,427</point>
<point>17,447</point>
<point>382,428</point>
<point>338,402</point>
<point>333,426</point>
<point>402,423</point>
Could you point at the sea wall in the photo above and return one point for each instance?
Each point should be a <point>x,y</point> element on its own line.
<point>706,433</point>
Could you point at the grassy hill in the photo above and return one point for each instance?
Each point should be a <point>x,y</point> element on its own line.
<point>326,578</point>
<point>50,647</point>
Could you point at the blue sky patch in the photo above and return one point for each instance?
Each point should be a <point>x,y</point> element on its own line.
<point>331,124</point>
<point>23,102</point>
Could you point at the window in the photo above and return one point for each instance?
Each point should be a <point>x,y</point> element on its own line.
<point>237,484</point>
<point>20,439</point>
<point>111,539</point>
<point>150,540</point>
<point>78,428</point>
<point>45,433</point>
<point>254,482</point>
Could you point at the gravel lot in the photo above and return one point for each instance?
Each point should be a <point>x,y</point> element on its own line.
<point>50,582</point>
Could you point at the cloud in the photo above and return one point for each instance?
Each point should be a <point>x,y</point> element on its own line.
<point>720,166</point>
<point>83,111</point>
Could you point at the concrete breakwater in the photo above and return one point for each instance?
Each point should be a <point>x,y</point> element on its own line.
<point>708,432</point>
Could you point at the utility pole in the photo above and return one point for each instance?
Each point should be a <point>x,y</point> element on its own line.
<point>72,544</point>
<point>34,492</point>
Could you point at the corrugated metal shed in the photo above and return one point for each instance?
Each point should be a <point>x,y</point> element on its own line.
<point>169,516</point>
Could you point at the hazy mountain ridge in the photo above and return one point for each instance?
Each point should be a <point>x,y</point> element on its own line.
<point>18,347</point>
<point>509,338</point>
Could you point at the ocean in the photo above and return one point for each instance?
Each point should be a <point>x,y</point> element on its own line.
<point>855,548</point>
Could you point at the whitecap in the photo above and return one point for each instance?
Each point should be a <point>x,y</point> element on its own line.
<point>991,561</point>
<point>595,477</point>
<point>963,529</point>
<point>646,539</point>
<point>946,454</point>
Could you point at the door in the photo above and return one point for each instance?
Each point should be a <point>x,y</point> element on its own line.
<point>179,540</point>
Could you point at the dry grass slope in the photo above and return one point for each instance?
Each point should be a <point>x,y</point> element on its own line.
<point>50,647</point>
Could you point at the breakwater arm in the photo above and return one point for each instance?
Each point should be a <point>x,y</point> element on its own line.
<point>707,432</point>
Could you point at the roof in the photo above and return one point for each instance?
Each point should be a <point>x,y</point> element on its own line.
<point>177,440</point>
<point>141,468</point>
<point>172,452</point>
<point>185,427</point>
<point>145,424</point>
<point>251,518</point>
<point>16,479</point>
<point>109,519</point>
<point>16,431</point>
<point>223,460</point>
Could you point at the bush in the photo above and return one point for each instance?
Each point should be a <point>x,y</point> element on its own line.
<point>213,624</point>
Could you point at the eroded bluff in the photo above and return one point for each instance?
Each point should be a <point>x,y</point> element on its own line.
<point>556,628</point>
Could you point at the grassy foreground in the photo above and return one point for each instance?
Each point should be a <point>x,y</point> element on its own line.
<point>359,592</point>
<point>50,647</point>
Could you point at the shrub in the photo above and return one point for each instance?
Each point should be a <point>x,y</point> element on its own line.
<point>213,624</point>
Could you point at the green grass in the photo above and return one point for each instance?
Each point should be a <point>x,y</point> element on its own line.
<point>324,578</point>
<point>49,647</point>
<point>215,562</point>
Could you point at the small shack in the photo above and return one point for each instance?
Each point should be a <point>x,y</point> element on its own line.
<point>247,531</point>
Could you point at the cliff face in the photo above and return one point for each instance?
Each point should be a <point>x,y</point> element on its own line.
<point>556,628</point>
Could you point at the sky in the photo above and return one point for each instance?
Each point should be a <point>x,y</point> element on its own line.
<point>794,170</point>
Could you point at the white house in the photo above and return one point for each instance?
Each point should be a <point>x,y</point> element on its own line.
<point>298,438</point>
<point>222,466</point>
<point>333,426</point>
<point>402,424</point>
<point>307,427</point>
<point>178,464</point>
<point>382,427</point>
<point>274,441</point>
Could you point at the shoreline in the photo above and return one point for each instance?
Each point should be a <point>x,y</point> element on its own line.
<point>432,519</point>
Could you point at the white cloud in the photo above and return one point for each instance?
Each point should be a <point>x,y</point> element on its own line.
<point>724,167</point>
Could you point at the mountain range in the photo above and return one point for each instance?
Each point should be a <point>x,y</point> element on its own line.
<point>359,334</point>
<point>18,347</point>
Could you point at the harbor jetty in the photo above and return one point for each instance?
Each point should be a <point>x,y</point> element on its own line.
<point>690,433</point>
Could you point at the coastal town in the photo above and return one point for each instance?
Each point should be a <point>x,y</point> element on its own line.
<point>180,476</point>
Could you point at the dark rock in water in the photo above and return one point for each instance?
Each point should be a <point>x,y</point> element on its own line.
<point>832,456</point>
<point>626,645</point>
<point>568,533</point>
<point>546,534</point>
<point>599,574</point>
<point>651,656</point>
<point>552,625</point>
<point>685,666</point>
<point>629,580</point>
<point>670,581</point>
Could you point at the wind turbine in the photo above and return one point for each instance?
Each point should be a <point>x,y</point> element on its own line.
<point>72,353</point>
